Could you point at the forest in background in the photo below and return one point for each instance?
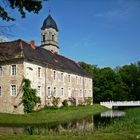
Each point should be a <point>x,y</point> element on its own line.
<point>119,84</point>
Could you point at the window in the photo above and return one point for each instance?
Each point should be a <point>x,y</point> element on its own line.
<point>52,37</point>
<point>62,91</point>
<point>0,91</point>
<point>61,76</point>
<point>13,70</point>
<point>0,70</point>
<point>49,92</point>
<point>54,91</point>
<point>39,72</point>
<point>54,75</point>
<point>80,92</point>
<point>43,37</point>
<point>80,80</point>
<point>13,90</point>
<point>69,78</point>
<point>39,90</point>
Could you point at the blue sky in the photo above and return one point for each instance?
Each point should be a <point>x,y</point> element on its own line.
<point>105,33</point>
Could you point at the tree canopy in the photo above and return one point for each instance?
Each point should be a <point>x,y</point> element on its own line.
<point>120,84</point>
<point>22,6</point>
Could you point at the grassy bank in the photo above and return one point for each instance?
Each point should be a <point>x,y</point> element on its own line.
<point>48,116</point>
<point>127,128</point>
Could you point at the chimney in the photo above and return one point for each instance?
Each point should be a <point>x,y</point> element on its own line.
<point>32,44</point>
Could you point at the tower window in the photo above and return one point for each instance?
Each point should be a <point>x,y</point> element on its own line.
<point>43,37</point>
<point>52,37</point>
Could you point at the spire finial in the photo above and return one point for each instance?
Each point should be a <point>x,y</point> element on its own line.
<point>49,11</point>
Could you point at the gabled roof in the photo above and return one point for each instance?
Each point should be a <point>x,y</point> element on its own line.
<point>21,49</point>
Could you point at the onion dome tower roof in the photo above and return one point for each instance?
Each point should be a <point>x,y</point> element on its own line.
<point>49,23</point>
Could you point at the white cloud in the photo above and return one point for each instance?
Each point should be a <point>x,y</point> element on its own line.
<point>4,39</point>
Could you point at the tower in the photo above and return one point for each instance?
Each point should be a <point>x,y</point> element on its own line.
<point>49,33</point>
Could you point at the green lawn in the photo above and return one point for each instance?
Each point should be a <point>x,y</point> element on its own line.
<point>48,116</point>
<point>127,128</point>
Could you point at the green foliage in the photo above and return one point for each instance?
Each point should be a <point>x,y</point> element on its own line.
<point>65,103</point>
<point>122,83</point>
<point>55,101</point>
<point>29,97</point>
<point>22,6</point>
<point>89,100</point>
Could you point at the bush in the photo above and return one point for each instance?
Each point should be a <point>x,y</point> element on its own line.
<point>72,100</point>
<point>29,97</point>
<point>55,101</point>
<point>88,100</point>
<point>65,103</point>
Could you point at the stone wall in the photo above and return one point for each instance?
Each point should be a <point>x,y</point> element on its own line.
<point>56,80</point>
<point>9,103</point>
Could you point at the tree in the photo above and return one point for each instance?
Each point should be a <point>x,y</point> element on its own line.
<point>22,6</point>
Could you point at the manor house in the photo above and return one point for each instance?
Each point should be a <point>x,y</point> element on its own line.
<point>50,73</point>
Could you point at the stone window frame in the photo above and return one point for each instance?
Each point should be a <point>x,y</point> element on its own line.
<point>81,93</point>
<point>49,92</point>
<point>62,92</point>
<point>11,89</point>
<point>1,72</point>
<point>0,91</point>
<point>39,72</point>
<point>39,90</point>
<point>54,91</point>
<point>13,69</point>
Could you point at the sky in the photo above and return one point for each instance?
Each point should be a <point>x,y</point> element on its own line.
<point>105,33</point>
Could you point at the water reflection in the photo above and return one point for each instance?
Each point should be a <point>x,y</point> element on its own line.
<point>83,125</point>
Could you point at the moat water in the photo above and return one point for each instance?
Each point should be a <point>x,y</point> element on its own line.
<point>83,125</point>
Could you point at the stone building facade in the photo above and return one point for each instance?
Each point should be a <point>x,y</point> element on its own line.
<point>50,73</point>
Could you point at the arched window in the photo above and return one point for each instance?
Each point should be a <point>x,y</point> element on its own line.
<point>52,37</point>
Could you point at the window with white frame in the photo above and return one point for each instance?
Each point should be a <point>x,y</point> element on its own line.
<point>13,90</point>
<point>54,75</point>
<point>39,72</point>
<point>62,92</point>
<point>0,70</point>
<point>39,91</point>
<point>80,92</point>
<point>49,92</point>
<point>54,91</point>
<point>62,76</point>
<point>0,91</point>
<point>13,70</point>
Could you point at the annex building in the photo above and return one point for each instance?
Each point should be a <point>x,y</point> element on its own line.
<point>50,73</point>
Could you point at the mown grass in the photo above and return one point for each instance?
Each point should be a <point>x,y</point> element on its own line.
<point>49,116</point>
